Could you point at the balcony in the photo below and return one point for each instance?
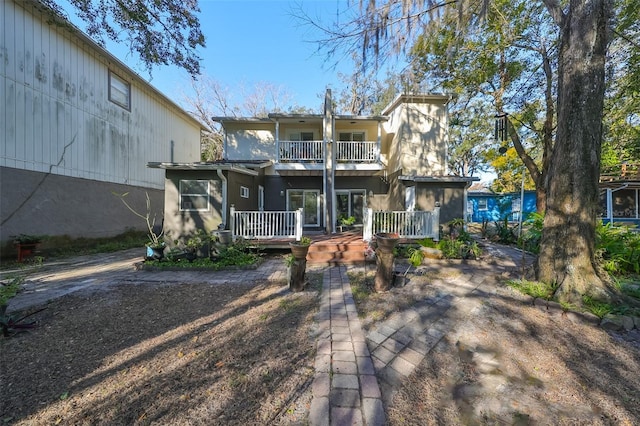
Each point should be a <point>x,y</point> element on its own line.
<point>300,152</point>
<point>357,152</point>
<point>366,152</point>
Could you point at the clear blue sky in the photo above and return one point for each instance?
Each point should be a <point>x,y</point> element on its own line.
<point>248,42</point>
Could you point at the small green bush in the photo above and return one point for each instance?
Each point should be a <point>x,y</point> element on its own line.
<point>532,232</point>
<point>535,289</point>
<point>7,291</point>
<point>236,254</point>
<point>599,309</point>
<point>631,291</point>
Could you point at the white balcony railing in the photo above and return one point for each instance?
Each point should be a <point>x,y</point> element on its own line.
<point>357,152</point>
<point>257,225</point>
<point>417,224</point>
<point>300,151</point>
<point>311,151</point>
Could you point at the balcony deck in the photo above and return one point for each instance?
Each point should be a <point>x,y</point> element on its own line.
<point>361,152</point>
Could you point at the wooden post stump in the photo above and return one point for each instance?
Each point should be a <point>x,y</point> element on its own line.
<point>385,262</point>
<point>297,274</point>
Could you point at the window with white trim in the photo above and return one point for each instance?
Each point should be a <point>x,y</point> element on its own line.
<point>244,192</point>
<point>482,204</point>
<point>301,136</point>
<point>194,195</point>
<point>119,91</point>
<point>351,136</point>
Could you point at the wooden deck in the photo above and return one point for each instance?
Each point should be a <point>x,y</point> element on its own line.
<point>340,248</point>
<point>316,237</point>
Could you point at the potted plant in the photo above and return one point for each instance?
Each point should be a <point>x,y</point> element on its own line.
<point>156,244</point>
<point>297,263</point>
<point>346,222</point>
<point>387,241</point>
<point>299,249</point>
<point>26,245</point>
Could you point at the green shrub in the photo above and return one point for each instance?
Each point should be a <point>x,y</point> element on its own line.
<point>617,249</point>
<point>236,254</point>
<point>504,233</point>
<point>456,244</point>
<point>427,242</point>
<point>599,309</point>
<point>7,291</point>
<point>633,291</point>
<point>536,289</point>
<point>532,232</point>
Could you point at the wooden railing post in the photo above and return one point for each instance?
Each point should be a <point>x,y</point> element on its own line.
<point>232,221</point>
<point>298,224</point>
<point>435,222</point>
<point>367,224</point>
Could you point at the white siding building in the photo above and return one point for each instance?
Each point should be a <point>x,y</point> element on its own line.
<point>76,125</point>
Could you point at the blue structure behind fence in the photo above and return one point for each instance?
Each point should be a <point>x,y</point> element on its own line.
<point>495,207</point>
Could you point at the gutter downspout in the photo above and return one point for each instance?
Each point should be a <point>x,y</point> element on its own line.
<point>223,179</point>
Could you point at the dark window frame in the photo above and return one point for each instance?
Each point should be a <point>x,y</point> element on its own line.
<point>114,77</point>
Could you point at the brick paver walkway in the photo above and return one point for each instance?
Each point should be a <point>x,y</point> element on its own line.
<point>357,374</point>
<point>345,387</point>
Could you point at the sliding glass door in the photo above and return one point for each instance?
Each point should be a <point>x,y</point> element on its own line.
<point>307,199</point>
<point>350,203</point>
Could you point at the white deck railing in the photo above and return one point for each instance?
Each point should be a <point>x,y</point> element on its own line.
<point>256,225</point>
<point>357,152</point>
<point>417,224</point>
<point>310,151</point>
<point>300,151</point>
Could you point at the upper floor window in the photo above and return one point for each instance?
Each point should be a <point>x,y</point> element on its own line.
<point>119,91</point>
<point>244,192</point>
<point>351,137</point>
<point>301,136</point>
<point>194,195</point>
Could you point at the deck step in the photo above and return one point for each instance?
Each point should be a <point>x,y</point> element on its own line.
<point>336,253</point>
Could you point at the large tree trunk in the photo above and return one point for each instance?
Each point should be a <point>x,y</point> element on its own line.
<point>568,240</point>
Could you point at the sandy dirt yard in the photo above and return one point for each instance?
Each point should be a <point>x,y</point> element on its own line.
<point>243,353</point>
<point>175,354</point>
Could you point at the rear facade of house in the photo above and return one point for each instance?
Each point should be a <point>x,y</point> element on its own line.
<point>329,165</point>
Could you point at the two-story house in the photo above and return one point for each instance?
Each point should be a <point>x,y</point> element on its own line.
<point>329,165</point>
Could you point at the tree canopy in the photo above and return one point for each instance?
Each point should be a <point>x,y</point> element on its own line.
<point>559,53</point>
<point>160,32</point>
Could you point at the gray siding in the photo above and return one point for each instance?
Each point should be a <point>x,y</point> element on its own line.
<point>56,116</point>
<point>62,205</point>
<point>179,224</point>
<point>449,195</point>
